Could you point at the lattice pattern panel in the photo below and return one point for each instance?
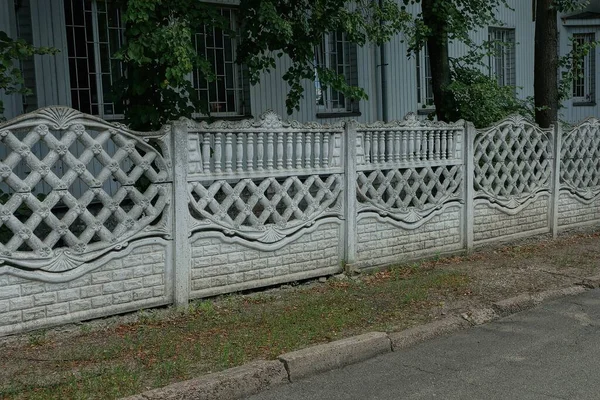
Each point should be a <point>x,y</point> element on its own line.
<point>409,194</point>
<point>265,210</point>
<point>122,188</point>
<point>580,160</point>
<point>513,162</point>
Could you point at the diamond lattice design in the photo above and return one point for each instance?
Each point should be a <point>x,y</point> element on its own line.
<point>123,194</point>
<point>512,161</point>
<point>580,159</point>
<point>402,190</point>
<point>257,206</point>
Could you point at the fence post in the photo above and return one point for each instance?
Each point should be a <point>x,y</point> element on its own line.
<point>181,240</point>
<point>555,184</point>
<point>469,160</point>
<point>350,214</point>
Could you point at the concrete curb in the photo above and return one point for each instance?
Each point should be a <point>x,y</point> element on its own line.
<point>409,337</point>
<point>233,383</point>
<point>325,357</point>
<point>255,377</point>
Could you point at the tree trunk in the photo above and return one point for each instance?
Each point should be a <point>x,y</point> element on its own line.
<point>545,80</point>
<point>437,44</point>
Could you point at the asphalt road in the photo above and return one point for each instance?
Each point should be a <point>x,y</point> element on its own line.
<point>550,352</point>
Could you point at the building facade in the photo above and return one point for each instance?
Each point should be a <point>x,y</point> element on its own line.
<point>89,32</point>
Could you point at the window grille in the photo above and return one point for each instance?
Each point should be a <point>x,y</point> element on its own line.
<point>336,53</point>
<point>585,70</point>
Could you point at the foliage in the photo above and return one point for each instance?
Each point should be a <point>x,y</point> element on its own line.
<point>480,99</point>
<point>274,28</point>
<point>11,52</point>
<point>444,21</point>
<point>159,56</point>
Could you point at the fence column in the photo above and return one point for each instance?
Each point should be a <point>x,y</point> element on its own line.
<point>555,184</point>
<point>469,159</point>
<point>350,214</point>
<point>181,240</point>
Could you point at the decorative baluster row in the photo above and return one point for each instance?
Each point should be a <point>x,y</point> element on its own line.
<point>408,145</point>
<point>247,152</point>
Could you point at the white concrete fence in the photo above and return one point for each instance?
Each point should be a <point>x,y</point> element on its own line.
<point>96,219</point>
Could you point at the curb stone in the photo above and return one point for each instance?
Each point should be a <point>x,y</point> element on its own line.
<point>591,282</point>
<point>325,357</point>
<point>233,383</point>
<point>252,378</point>
<point>403,339</point>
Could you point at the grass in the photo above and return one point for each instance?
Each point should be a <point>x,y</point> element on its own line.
<point>216,334</point>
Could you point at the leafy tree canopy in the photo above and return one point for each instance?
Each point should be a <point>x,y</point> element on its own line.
<point>11,52</point>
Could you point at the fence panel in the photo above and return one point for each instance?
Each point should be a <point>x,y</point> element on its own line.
<point>69,253</point>
<point>579,202</point>
<point>513,162</point>
<point>266,201</point>
<point>409,190</point>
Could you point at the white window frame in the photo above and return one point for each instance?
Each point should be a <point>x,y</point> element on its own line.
<point>503,60</point>
<point>325,99</point>
<point>424,80</point>
<point>98,72</point>
<point>584,88</point>
<point>239,88</point>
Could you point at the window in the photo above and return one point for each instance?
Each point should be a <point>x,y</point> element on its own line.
<point>94,34</point>
<point>585,70</point>
<point>229,93</point>
<point>424,81</point>
<point>338,54</point>
<point>502,59</point>
<point>27,66</point>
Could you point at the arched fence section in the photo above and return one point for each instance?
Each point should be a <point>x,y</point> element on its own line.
<point>96,219</point>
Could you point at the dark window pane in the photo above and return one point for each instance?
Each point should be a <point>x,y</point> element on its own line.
<point>82,73</point>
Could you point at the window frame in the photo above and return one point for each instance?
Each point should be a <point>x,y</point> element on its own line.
<point>589,73</point>
<point>424,80</point>
<point>98,71</point>
<point>323,58</point>
<point>241,87</point>
<point>504,57</point>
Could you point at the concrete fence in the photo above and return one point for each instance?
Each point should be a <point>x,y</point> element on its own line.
<point>106,220</point>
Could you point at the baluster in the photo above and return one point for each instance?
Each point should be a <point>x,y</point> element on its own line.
<point>299,150</point>
<point>430,145</point>
<point>436,154</point>
<point>404,145</point>
<point>228,151</point>
<point>451,149</point>
<point>418,145</point>
<point>250,152</point>
<point>444,154</point>
<point>289,150</point>
<point>317,151</point>
<point>326,150</point>
<point>240,152</point>
<point>375,147</point>
<point>396,146</point>
<point>382,147</point>
<point>260,151</point>
<point>218,151</point>
<point>368,147</point>
<point>206,152</point>
<point>411,145</point>
<point>390,146</point>
<point>307,150</point>
<point>279,150</point>
<point>270,150</point>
